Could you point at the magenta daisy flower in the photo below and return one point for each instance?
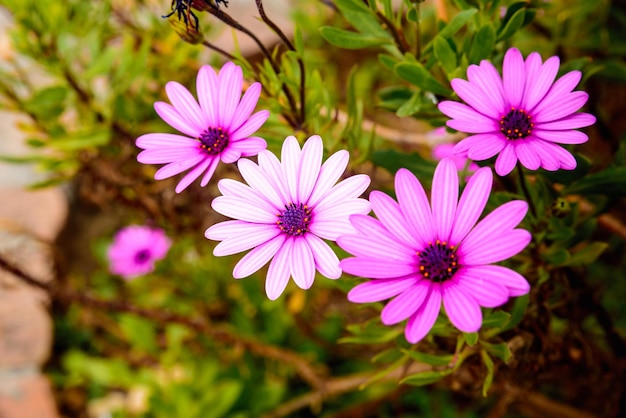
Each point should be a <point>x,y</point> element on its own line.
<point>421,254</point>
<point>135,249</point>
<point>286,211</point>
<point>219,127</point>
<point>521,116</point>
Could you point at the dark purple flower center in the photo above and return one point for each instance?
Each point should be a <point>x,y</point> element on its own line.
<point>142,256</point>
<point>438,262</point>
<point>213,140</point>
<point>295,219</point>
<point>516,124</point>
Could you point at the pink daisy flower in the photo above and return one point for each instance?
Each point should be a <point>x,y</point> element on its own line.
<point>219,127</point>
<point>421,254</point>
<point>286,211</point>
<point>521,116</point>
<point>135,249</point>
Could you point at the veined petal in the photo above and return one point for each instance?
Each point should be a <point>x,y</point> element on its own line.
<point>250,146</point>
<point>539,79</point>
<point>279,272</point>
<point>258,257</point>
<point>566,160</point>
<point>377,290</point>
<point>505,245</point>
<point>389,213</point>
<point>414,205</point>
<point>505,163</point>
<point>191,176</point>
<point>526,153</point>
<point>371,227</point>
<point>309,167</point>
<point>380,248</point>
<point>331,229</point>
<point>376,269</point>
<point>486,77</point>
<point>185,105</point>
<point>330,172</point>
<point>480,146</point>
<point>270,165</point>
<point>302,263</point>
<point>158,141</point>
<point>502,219</point>
<point>256,178</point>
<point>444,197</point>
<point>513,76</point>
<point>251,237</point>
<point>548,160</point>
<point>475,97</point>
<point>562,137</point>
<point>423,320</point>
<point>166,155</point>
<point>246,106</point>
<point>512,280</point>
<point>462,309</point>
<point>567,104</point>
<point>466,119</point>
<point>208,91</point>
<point>326,261</point>
<point>290,160</point>
<point>170,115</point>
<point>405,304</point>
<point>488,293</point>
<point>230,80</point>
<point>209,172</point>
<point>179,166</point>
<point>343,210</point>
<point>250,126</point>
<point>244,209</point>
<point>351,187</point>
<point>472,204</point>
<point>575,121</point>
<point>560,88</point>
<point>229,155</point>
<point>227,229</point>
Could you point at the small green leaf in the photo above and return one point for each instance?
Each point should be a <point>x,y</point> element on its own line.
<point>483,44</point>
<point>350,40</point>
<point>425,378</point>
<point>587,255</point>
<point>496,319</point>
<point>518,312</point>
<point>471,338</point>
<point>457,23</point>
<point>416,74</point>
<point>431,359</point>
<point>501,350</point>
<point>411,106</point>
<point>445,54</point>
<point>512,25</point>
<point>611,181</point>
<point>490,370</point>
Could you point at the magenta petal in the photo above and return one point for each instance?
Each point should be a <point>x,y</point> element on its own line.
<point>279,272</point>
<point>250,126</point>
<point>272,168</point>
<point>377,290</point>
<point>371,227</point>
<point>462,309</point>
<point>258,257</point>
<point>503,218</point>
<point>423,320</point>
<point>186,105</point>
<point>245,209</point>
<point>377,269</point>
<point>378,248</point>
<point>326,261</point>
<point>539,78</point>
<point>192,175</point>
<point>548,160</point>
<point>505,245</point>
<point>208,93</point>
<point>389,213</point>
<point>230,80</point>
<point>488,293</point>
<point>246,106</point>
<point>165,155</point>
<point>250,146</point>
<point>405,304</point>
<point>226,229</point>
<point>170,115</point>
<point>330,172</point>
<point>444,197</point>
<point>505,163</point>
<point>158,141</point>
<point>516,284</point>
<point>475,97</point>
<point>250,236</point>
<point>414,205</point>
<point>290,160</point>
<point>472,204</point>
<point>256,178</point>
<point>526,154</point>
<point>480,146</point>
<point>513,76</point>
<point>566,159</point>
<point>577,120</point>
<point>302,263</point>
<point>179,166</point>
<point>562,137</point>
<point>466,119</point>
<point>486,77</point>
<point>567,104</point>
<point>351,187</point>
<point>557,91</point>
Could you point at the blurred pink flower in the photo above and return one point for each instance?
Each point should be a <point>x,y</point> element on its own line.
<point>521,116</point>
<point>217,128</point>
<point>286,211</point>
<point>135,249</point>
<point>421,254</point>
<point>441,151</point>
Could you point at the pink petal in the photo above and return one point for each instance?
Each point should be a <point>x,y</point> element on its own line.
<point>512,280</point>
<point>505,163</point>
<point>342,211</point>
<point>279,272</point>
<point>577,120</point>
<point>185,105</point>
<point>561,137</point>
<point>177,167</point>
<point>309,167</point>
<point>423,320</point>
<point>560,88</point>
<point>330,172</point>
<point>415,206</point>
<point>472,204</point>
<point>376,269</point>
<point>230,155</point>
<point>326,261</point>
<point>480,146</point>
<point>158,141</point>
<point>257,180</point>
<point>208,94</point>
<point>502,219</point>
<point>486,77</point>
<point>476,98</point>
<point>302,263</point>
<point>166,155</point>
<point>513,76</point>
<point>488,293</point>
<point>539,78</point>
<point>227,229</point>
<point>389,213</point>
<point>244,209</point>
<point>230,80</point>
<point>246,106</point>
<point>258,257</point>
<point>379,248</point>
<point>331,229</point>
<point>462,309</point>
<point>377,290</point>
<point>405,304</point>
<point>250,146</point>
<point>444,197</point>
<point>234,188</point>
<point>566,105</point>
<point>250,126</point>
<point>349,188</point>
<point>193,174</point>
<point>526,154</point>
<point>290,158</point>
<point>497,248</point>
<point>548,161</point>
<point>273,170</point>
<point>209,172</point>
<point>175,120</point>
<point>466,119</point>
<point>566,160</point>
<point>251,236</point>
<point>371,227</point>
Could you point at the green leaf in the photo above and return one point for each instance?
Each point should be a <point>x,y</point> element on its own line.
<point>501,350</point>
<point>48,102</point>
<point>611,181</point>
<point>512,25</point>
<point>140,332</point>
<point>393,160</point>
<point>556,257</point>
<point>471,338</point>
<point>351,40</point>
<point>483,44</point>
<point>81,140</point>
<point>497,319</point>
<point>431,359</point>
<point>416,74</point>
<point>490,370</point>
<point>587,255</point>
<point>445,54</point>
<point>411,106</point>
<point>518,312</point>
<point>298,40</point>
<point>222,397</point>
<point>425,378</point>
<point>361,17</point>
<point>372,333</point>
<point>457,23</point>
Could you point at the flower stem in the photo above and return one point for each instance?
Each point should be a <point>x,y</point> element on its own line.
<point>524,187</point>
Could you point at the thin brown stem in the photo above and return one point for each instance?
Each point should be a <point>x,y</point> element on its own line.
<point>398,36</point>
<point>218,50</point>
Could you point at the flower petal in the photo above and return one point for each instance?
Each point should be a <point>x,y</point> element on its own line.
<point>379,248</point>
<point>230,80</point>
<point>191,176</point>
<point>561,137</point>
<point>185,105</point>
<point>480,146</point>
<point>326,261</point>
<point>179,166</point>
<point>257,180</point>
<point>500,220</point>
<point>539,78</point>
<point>376,269</point>
<point>377,290</point>
<point>273,170</point>
<point>279,272</point>
<point>560,88</point>
<point>389,213</point>
<point>209,172</point>
<point>170,115</point>
<point>487,293</point>
<point>526,154</point>
<point>351,187</point>
<point>302,263</point>
<point>258,257</point>
<point>423,320</point>
<point>250,126</point>
<point>251,236</point>
<point>309,167</point>
<point>246,106</point>
<point>505,163</point>
<point>513,76</point>
<point>290,160</point>
<point>414,206</point>
<point>565,106</point>
<point>577,120</point>
<point>371,227</point>
<point>208,94</point>
<point>330,172</point>
<point>466,119</point>
<point>406,303</point>
<point>475,97</point>
<point>497,248</point>
<point>444,197</point>
<point>486,77</point>
<point>462,309</point>
<point>226,229</point>
<point>244,209</point>
<point>516,284</point>
<point>472,204</point>
<point>250,146</point>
